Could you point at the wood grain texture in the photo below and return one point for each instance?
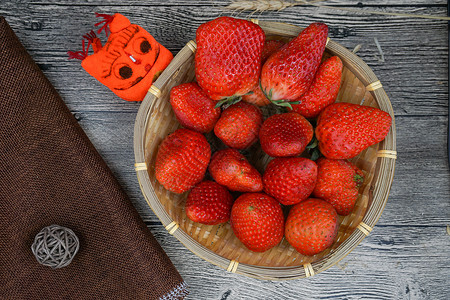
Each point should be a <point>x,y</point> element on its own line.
<point>406,256</point>
<point>48,31</point>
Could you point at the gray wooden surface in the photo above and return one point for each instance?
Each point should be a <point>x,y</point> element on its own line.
<point>407,255</point>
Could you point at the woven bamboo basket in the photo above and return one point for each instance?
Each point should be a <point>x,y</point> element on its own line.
<point>217,243</point>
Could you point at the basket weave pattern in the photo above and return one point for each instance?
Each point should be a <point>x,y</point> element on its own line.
<point>217,243</point>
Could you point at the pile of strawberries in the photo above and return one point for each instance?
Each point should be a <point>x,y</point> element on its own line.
<point>234,62</point>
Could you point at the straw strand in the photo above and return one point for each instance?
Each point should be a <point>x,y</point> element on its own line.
<point>309,271</point>
<point>155,91</point>
<point>140,166</point>
<point>374,86</point>
<point>232,267</point>
<point>172,227</point>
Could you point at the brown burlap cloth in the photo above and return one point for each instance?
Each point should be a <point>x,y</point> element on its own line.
<point>50,173</point>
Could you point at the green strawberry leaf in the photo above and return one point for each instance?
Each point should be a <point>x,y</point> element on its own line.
<point>313,144</point>
<point>315,154</point>
<point>219,104</point>
<point>358,179</point>
<point>226,102</point>
<point>283,103</point>
<point>313,148</point>
<point>263,91</point>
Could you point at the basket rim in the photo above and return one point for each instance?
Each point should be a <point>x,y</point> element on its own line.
<point>380,191</point>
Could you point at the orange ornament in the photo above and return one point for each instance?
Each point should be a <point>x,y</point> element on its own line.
<point>129,62</point>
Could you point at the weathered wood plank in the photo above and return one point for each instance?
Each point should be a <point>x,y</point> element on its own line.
<point>392,263</point>
<point>414,72</point>
<point>355,3</point>
<point>406,256</point>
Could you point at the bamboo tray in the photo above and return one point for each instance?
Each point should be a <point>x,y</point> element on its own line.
<point>217,243</point>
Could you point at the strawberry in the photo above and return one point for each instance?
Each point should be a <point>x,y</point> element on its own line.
<point>344,129</point>
<point>285,134</point>
<point>338,182</point>
<point>230,168</point>
<point>209,203</point>
<point>288,73</point>
<point>311,226</point>
<point>239,125</point>
<point>323,90</point>
<point>256,96</point>
<point>193,108</point>
<point>228,57</point>
<point>257,221</point>
<point>290,179</point>
<point>270,47</point>
<point>182,160</point>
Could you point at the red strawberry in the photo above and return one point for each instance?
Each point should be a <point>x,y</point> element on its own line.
<point>270,47</point>
<point>338,182</point>
<point>311,226</point>
<point>209,203</point>
<point>230,168</point>
<point>288,73</point>
<point>228,57</point>
<point>239,125</point>
<point>290,179</point>
<point>257,221</point>
<point>193,108</point>
<point>256,96</point>
<point>285,134</point>
<point>182,160</point>
<point>344,129</point>
<point>323,90</point>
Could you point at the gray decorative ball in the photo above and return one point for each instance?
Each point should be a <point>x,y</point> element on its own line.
<point>55,246</point>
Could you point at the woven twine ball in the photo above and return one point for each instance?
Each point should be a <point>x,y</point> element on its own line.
<point>55,246</point>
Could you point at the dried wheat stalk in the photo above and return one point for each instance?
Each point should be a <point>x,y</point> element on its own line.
<point>272,5</point>
<point>260,5</point>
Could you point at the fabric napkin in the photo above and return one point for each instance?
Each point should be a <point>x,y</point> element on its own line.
<point>50,173</point>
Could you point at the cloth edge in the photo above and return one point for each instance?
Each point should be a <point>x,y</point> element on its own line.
<point>178,292</point>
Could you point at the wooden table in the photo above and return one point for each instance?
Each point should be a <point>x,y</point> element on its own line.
<point>407,255</point>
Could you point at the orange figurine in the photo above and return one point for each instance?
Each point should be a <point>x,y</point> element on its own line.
<point>129,62</point>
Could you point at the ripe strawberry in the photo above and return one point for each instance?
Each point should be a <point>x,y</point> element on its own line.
<point>256,96</point>
<point>338,182</point>
<point>344,129</point>
<point>288,73</point>
<point>285,134</point>
<point>257,221</point>
<point>311,226</point>
<point>323,90</point>
<point>182,160</point>
<point>270,47</point>
<point>239,125</point>
<point>193,108</point>
<point>209,203</point>
<point>228,57</point>
<point>230,168</point>
<point>290,179</point>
